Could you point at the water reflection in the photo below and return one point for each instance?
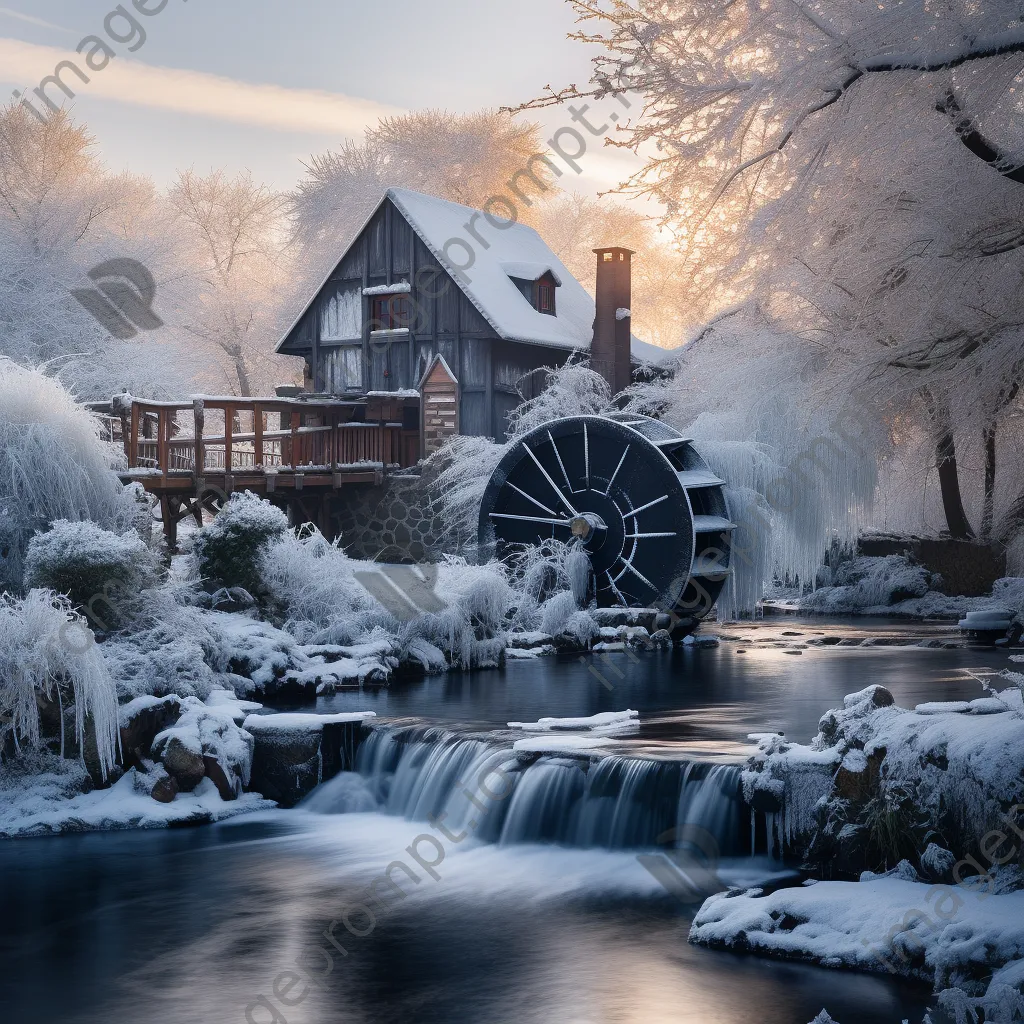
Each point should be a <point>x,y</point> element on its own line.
<point>182,927</point>
<point>710,698</point>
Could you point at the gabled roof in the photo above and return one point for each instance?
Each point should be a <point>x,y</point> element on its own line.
<point>484,272</point>
<point>438,359</point>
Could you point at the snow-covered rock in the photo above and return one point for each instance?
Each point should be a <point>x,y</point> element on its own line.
<point>880,782</point>
<point>42,805</point>
<point>945,934</point>
<point>294,753</point>
<point>606,723</point>
<point>205,742</point>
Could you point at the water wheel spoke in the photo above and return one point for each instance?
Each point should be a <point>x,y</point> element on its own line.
<point>641,536</point>
<point>530,497</point>
<point>608,489</point>
<point>558,455</point>
<point>618,593</point>
<point>644,508</point>
<point>586,456</point>
<point>554,486</point>
<point>636,572</point>
<point>531,519</point>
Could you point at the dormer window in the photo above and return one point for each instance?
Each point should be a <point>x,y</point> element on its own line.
<point>546,296</point>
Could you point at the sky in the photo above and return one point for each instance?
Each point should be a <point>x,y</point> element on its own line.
<point>263,84</point>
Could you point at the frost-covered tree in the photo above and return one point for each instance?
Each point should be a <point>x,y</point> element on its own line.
<point>465,158</point>
<point>235,230</point>
<point>854,168</point>
<point>61,214</point>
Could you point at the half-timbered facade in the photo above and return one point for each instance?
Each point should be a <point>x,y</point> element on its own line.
<point>426,278</point>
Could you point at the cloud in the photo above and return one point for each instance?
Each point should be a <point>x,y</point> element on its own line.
<point>195,92</point>
<point>36,21</point>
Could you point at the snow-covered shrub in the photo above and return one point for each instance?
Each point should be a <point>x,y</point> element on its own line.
<point>461,470</point>
<point>229,550</point>
<point>870,582</point>
<point>470,628</point>
<point>571,390</point>
<point>53,465</point>
<point>312,591</point>
<point>48,656</point>
<point>98,570</point>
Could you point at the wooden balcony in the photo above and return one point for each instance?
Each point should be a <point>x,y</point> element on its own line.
<point>194,454</point>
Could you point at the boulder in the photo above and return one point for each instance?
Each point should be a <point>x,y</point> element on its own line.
<point>154,780</point>
<point>182,762</point>
<point>140,721</point>
<point>207,741</point>
<point>645,617</point>
<point>858,775</point>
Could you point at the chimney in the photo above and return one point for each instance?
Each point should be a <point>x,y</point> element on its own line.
<point>609,351</point>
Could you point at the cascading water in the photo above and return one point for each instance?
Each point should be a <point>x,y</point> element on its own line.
<point>613,802</point>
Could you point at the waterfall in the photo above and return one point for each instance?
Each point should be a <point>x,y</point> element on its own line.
<point>614,802</point>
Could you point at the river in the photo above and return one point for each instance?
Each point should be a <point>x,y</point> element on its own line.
<point>548,913</point>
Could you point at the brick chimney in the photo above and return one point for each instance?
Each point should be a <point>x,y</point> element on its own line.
<point>609,351</point>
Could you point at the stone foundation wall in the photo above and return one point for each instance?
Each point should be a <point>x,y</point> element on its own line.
<point>390,523</point>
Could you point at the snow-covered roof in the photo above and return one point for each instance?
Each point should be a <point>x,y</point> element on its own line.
<point>484,258</point>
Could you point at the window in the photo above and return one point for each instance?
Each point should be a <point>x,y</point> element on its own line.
<point>342,368</point>
<point>389,313</point>
<point>341,315</point>
<point>546,297</point>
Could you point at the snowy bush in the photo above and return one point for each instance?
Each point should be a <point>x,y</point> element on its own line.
<point>313,592</point>
<point>571,390</point>
<point>470,628</point>
<point>48,657</point>
<point>98,570</point>
<point>229,550</point>
<point>866,583</point>
<point>463,468</point>
<point>53,466</point>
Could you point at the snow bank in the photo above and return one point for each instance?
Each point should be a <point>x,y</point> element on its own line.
<point>40,806</point>
<point>194,651</point>
<point>559,744</point>
<point>894,585</point>
<point>869,584</point>
<point>947,935</point>
<point>302,722</point>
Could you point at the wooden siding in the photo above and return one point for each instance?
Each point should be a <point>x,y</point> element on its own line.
<point>443,322</point>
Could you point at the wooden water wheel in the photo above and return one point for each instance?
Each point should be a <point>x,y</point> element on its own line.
<point>633,493</point>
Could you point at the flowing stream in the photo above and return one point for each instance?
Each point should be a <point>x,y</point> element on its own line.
<point>462,881</point>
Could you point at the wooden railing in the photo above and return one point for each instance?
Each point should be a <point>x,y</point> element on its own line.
<point>211,436</point>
